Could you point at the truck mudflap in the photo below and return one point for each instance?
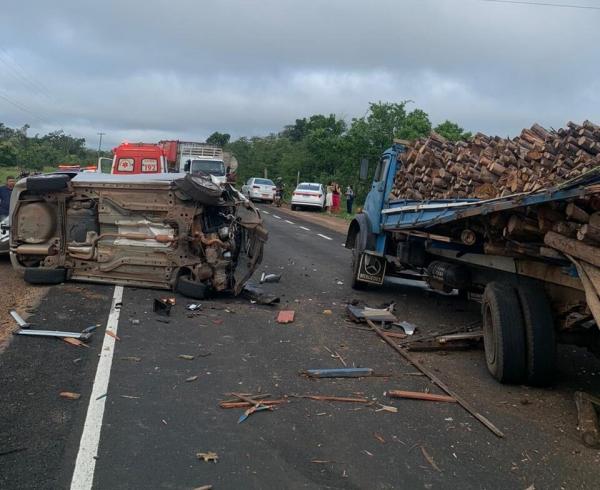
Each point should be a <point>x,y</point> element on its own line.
<point>371,268</point>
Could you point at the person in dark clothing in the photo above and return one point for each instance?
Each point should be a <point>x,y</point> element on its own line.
<point>349,199</point>
<point>5,192</point>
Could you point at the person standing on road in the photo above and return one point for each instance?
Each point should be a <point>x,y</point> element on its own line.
<point>336,192</point>
<point>329,197</point>
<point>5,192</point>
<point>349,199</point>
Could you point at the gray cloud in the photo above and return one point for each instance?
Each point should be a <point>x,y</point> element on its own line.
<point>158,69</point>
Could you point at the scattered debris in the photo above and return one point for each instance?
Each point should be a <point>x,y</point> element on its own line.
<point>75,342</point>
<point>26,329</point>
<point>323,461</point>
<point>194,307</point>
<point>243,404</point>
<point>187,357</point>
<point>327,312</point>
<point>338,373</point>
<point>475,335</point>
<point>340,283</point>
<point>257,405</point>
<point>429,459</point>
<point>131,358</point>
<point>417,395</point>
<point>134,321</point>
<point>358,314</point>
<point>270,278</point>
<point>254,293</point>
<point>409,328</point>
<point>162,307</point>
<point>112,334</point>
<point>208,456</point>
<point>336,355</point>
<point>387,408</point>
<point>588,418</point>
<point>285,316</point>
<point>131,397</point>
<point>69,395</point>
<point>368,453</point>
<point>379,437</point>
<point>462,402</point>
<point>191,378</point>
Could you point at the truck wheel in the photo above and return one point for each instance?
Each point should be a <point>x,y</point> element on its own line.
<point>39,275</point>
<point>47,183</point>
<point>355,283</point>
<point>540,338</point>
<point>293,207</point>
<point>503,333</point>
<point>191,289</point>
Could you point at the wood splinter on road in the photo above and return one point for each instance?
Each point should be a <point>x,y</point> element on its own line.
<point>416,395</point>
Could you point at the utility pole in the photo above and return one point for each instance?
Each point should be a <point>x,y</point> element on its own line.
<point>100,143</point>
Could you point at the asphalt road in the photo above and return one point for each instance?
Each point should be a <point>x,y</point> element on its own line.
<point>155,422</point>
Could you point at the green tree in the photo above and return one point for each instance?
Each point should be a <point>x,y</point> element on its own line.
<point>452,131</point>
<point>8,154</point>
<point>218,139</point>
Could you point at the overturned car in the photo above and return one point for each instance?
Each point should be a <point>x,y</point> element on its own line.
<point>167,231</point>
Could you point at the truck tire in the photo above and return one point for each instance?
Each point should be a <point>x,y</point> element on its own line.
<point>503,333</point>
<point>293,207</point>
<point>191,289</point>
<point>47,183</point>
<point>39,275</point>
<point>540,337</point>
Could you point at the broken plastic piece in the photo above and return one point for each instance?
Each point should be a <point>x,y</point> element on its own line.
<point>208,456</point>
<point>162,306</point>
<point>254,293</point>
<point>270,278</point>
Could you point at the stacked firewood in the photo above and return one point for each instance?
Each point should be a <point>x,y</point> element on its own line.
<point>487,167</point>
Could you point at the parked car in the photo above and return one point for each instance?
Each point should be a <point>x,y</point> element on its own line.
<point>258,189</point>
<point>308,194</point>
<point>159,230</point>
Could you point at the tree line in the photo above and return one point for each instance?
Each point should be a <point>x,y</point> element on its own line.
<point>18,149</point>
<point>323,148</point>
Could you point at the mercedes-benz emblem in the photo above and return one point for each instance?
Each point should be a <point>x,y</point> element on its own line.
<point>372,266</point>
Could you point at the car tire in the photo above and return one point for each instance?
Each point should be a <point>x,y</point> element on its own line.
<point>40,275</point>
<point>47,183</point>
<point>190,288</point>
<point>503,333</point>
<point>540,337</point>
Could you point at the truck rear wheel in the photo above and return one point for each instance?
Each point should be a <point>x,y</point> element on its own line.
<point>503,333</point>
<point>540,337</point>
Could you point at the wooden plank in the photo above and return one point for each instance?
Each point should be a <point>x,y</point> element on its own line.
<point>416,395</point>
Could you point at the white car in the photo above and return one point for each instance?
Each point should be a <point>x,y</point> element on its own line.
<point>310,195</point>
<point>257,189</point>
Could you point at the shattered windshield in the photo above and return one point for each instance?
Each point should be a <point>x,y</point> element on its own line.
<point>213,167</point>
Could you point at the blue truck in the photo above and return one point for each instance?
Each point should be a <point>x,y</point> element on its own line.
<point>518,255</point>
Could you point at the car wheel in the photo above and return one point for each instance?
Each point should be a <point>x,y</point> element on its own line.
<point>190,288</point>
<point>39,275</point>
<point>503,333</point>
<point>47,183</point>
<point>540,338</point>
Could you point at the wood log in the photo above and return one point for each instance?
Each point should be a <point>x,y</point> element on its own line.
<point>575,213</point>
<point>588,232</point>
<point>572,247</point>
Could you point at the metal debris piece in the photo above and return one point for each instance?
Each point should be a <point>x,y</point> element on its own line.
<point>285,316</point>
<point>162,307</point>
<point>254,293</point>
<point>270,278</point>
<point>191,378</point>
<point>208,456</point>
<point>475,335</point>
<point>409,328</point>
<point>338,373</point>
<point>26,329</point>
<point>194,306</point>
<point>186,357</point>
<point>358,314</point>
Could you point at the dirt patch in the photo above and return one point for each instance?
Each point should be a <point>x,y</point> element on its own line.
<point>15,294</point>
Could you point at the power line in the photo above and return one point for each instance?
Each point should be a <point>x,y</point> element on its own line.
<point>545,4</point>
<point>22,108</point>
<point>20,75</point>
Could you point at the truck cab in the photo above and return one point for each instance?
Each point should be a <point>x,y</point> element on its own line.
<point>138,158</point>
<point>199,158</point>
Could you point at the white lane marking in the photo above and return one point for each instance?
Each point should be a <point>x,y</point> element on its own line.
<point>266,212</point>
<point>275,216</point>
<point>325,236</point>
<point>304,228</point>
<point>288,221</point>
<point>83,475</point>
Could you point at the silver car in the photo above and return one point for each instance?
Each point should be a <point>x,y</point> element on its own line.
<point>4,235</point>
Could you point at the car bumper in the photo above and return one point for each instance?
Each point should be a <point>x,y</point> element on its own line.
<point>302,202</point>
<point>265,196</point>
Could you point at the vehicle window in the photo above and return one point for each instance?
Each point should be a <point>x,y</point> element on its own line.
<point>263,182</point>
<point>381,167</point>
<point>309,187</point>
<point>125,165</point>
<point>149,165</point>
<point>213,167</point>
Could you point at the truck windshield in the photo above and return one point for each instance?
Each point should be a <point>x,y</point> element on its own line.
<point>213,167</point>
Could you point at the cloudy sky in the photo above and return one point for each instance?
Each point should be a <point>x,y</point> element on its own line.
<point>156,69</point>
